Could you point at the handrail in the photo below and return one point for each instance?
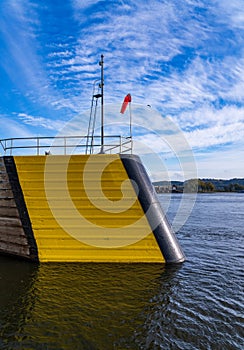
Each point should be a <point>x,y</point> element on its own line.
<point>66,144</point>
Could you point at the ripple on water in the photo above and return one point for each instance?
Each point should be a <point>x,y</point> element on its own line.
<point>198,305</point>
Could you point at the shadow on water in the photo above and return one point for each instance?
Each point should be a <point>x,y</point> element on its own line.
<point>79,306</point>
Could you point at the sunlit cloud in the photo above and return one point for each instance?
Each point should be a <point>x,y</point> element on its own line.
<point>45,123</point>
<point>13,129</point>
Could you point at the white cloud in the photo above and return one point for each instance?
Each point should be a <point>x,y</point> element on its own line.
<point>233,11</point>
<point>207,116</point>
<point>41,122</point>
<point>83,4</point>
<point>226,163</point>
<point>185,59</point>
<point>213,127</point>
<point>11,128</point>
<point>20,60</point>
<point>216,135</point>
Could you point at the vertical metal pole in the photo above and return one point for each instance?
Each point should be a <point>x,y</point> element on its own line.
<point>102,111</point>
<point>131,144</point>
<point>130,120</point>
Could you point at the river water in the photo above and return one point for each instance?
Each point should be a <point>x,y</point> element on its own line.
<point>197,305</point>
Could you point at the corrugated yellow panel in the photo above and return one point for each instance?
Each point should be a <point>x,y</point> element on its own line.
<point>84,208</point>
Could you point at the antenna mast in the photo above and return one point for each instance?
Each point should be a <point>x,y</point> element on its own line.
<point>102,111</point>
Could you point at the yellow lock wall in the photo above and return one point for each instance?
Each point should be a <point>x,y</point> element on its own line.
<point>84,208</point>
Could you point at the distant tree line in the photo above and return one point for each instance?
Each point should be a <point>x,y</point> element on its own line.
<point>233,188</point>
<point>198,185</point>
<point>201,185</point>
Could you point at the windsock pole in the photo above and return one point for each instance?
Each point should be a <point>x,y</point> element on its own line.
<point>102,105</point>
<point>130,119</point>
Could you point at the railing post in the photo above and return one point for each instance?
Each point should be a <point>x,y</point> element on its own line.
<point>38,145</point>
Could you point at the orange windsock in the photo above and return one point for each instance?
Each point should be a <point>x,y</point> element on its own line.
<point>127,99</point>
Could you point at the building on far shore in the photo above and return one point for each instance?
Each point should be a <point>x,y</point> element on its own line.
<point>163,189</point>
<point>169,188</point>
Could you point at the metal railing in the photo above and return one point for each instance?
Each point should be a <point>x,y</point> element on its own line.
<point>113,144</point>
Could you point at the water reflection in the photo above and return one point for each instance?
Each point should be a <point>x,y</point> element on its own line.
<point>198,305</point>
<point>79,306</point>
<point>17,297</point>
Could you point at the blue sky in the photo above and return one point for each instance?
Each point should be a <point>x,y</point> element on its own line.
<point>183,58</point>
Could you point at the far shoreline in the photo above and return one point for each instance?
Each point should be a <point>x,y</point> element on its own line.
<point>235,185</point>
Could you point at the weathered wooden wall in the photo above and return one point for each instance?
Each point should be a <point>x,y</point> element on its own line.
<point>13,239</point>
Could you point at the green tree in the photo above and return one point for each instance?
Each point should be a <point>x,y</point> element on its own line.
<point>210,186</point>
<point>191,186</point>
<point>201,186</point>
